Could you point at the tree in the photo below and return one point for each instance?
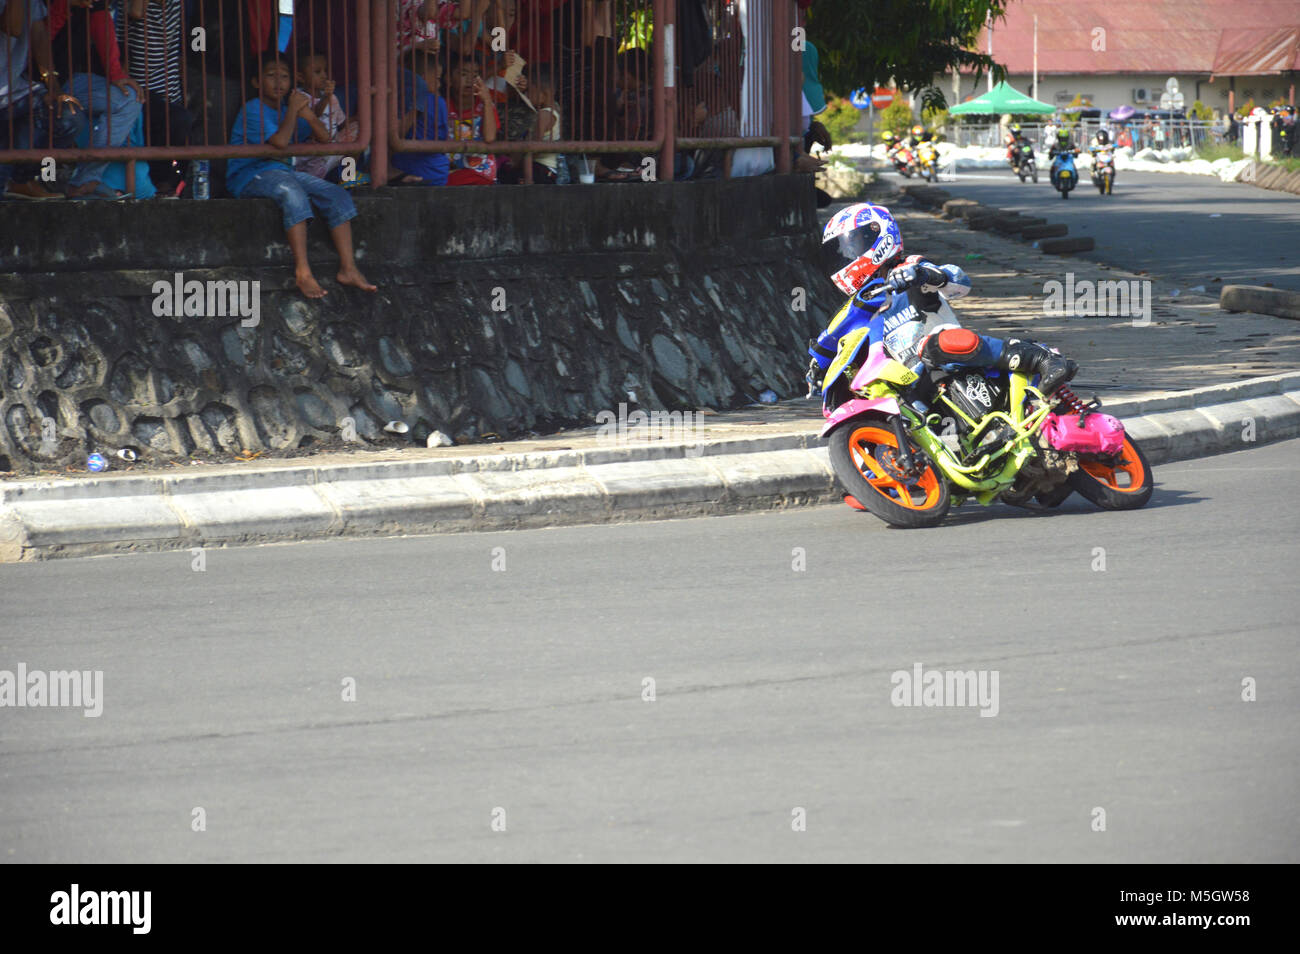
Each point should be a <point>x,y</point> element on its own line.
<point>897,116</point>
<point>909,42</point>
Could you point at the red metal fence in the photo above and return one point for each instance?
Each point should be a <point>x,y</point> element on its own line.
<point>618,83</point>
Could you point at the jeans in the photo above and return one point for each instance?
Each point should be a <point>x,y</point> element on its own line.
<point>66,128</point>
<point>297,192</point>
<point>108,106</point>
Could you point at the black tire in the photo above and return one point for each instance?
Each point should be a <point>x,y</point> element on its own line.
<point>1033,170</point>
<point>1021,172</point>
<point>1065,193</point>
<point>1106,494</point>
<point>878,501</point>
<point>1055,497</point>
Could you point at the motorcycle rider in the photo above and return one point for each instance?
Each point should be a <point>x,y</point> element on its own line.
<point>1100,144</point>
<point>919,135</point>
<point>892,145</point>
<point>1283,130</point>
<point>1062,145</point>
<point>862,248</point>
<point>1013,140</point>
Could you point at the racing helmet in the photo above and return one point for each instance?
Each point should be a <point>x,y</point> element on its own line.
<point>1103,137</point>
<point>858,242</point>
<point>918,131</point>
<point>1063,136</point>
<point>887,136</point>
<point>1014,129</point>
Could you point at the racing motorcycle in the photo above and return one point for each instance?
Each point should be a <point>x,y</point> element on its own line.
<point>1103,171</point>
<point>905,161</point>
<point>1064,175</point>
<point>927,158</point>
<point>1022,162</point>
<point>981,434</point>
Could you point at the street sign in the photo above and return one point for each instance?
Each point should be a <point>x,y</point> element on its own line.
<point>859,98</point>
<point>882,97</point>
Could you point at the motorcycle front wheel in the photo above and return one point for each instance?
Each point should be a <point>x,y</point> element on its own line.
<point>1123,482</point>
<point>1033,170</point>
<point>864,456</point>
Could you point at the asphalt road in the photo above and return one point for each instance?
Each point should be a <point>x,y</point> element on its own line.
<point>1190,228</point>
<point>521,688</point>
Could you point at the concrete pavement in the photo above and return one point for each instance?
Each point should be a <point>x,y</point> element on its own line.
<point>507,671</point>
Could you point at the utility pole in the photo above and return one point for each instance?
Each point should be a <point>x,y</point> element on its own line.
<point>1034,94</point>
<point>990,31</point>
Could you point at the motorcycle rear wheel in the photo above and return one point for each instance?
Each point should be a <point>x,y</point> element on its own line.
<point>864,457</point>
<point>1124,485</point>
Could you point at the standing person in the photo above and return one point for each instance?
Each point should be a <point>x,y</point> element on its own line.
<point>112,98</point>
<point>33,114</point>
<point>280,117</point>
<point>150,32</point>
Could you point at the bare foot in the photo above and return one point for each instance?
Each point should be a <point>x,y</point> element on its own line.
<point>354,278</point>
<point>31,190</point>
<point>308,286</point>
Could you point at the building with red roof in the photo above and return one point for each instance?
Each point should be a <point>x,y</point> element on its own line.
<point>1113,53</point>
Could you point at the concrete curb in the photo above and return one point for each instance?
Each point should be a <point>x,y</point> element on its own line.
<point>60,517</point>
<point>1260,301</point>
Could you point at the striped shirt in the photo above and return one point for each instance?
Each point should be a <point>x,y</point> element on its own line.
<point>152,46</point>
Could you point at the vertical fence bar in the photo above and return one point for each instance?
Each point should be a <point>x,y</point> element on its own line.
<point>782,59</point>
<point>384,51</point>
<point>665,82</point>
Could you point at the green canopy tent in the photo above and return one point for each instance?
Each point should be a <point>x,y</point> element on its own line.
<point>1003,98</point>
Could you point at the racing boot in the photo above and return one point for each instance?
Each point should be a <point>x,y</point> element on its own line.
<point>1031,358</point>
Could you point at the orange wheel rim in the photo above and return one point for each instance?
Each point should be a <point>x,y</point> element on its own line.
<point>1127,476</point>
<point>873,450</point>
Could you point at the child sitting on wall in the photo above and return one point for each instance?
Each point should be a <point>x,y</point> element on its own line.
<point>280,115</point>
<point>314,79</point>
<point>472,116</point>
<point>425,119</point>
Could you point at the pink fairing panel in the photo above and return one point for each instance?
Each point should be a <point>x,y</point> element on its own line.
<point>870,370</point>
<point>855,407</point>
<point>1100,434</point>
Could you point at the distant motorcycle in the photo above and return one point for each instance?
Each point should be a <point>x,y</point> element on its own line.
<point>1103,171</point>
<point>905,162</point>
<point>927,159</point>
<point>1064,175</point>
<point>1022,162</point>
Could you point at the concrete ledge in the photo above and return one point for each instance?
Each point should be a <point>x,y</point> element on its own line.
<point>960,208</point>
<point>1261,301</point>
<point>1063,246</point>
<point>1055,230</point>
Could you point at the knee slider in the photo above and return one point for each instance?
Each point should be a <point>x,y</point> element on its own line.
<point>951,345</point>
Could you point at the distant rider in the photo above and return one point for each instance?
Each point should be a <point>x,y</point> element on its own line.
<point>1014,139</point>
<point>862,249</point>
<point>1062,145</point>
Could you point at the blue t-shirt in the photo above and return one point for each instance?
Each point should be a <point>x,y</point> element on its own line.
<point>256,123</point>
<point>430,124</point>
